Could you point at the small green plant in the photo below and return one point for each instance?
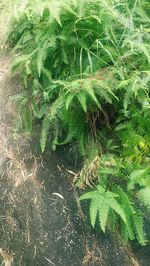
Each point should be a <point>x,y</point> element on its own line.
<point>119,190</point>
<point>85,67</point>
<point>103,202</point>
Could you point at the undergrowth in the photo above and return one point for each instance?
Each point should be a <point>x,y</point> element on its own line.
<point>85,67</point>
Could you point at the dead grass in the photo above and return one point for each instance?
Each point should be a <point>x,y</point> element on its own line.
<point>7,257</point>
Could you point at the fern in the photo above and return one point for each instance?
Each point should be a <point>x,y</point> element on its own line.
<point>41,56</point>
<point>83,101</point>
<point>22,104</point>
<point>112,174</point>
<point>140,177</point>
<point>138,224</point>
<point>39,112</point>
<point>106,204</point>
<point>45,130</point>
<point>101,202</point>
<point>128,208</point>
<point>144,196</point>
<point>27,119</point>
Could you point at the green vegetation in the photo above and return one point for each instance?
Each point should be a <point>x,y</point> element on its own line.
<point>85,66</point>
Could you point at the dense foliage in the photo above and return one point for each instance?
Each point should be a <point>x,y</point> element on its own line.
<point>85,66</point>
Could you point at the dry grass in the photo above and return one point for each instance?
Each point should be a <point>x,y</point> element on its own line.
<point>91,255</point>
<point>7,257</point>
<point>6,8</point>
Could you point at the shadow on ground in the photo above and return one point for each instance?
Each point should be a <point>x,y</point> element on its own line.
<point>41,221</point>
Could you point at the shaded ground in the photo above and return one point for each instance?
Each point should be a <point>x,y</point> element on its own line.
<point>41,222</point>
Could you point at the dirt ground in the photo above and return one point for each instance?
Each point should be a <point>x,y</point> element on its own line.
<point>41,221</point>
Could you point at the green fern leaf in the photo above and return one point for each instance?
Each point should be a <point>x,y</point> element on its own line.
<point>117,208</point>
<point>93,212</point>
<point>26,115</point>
<point>47,74</point>
<point>126,205</point>
<point>112,219</point>
<point>45,130</point>
<point>39,113</point>
<point>69,100</point>
<point>37,86</point>
<point>41,55</point>
<point>138,223</point>
<point>138,177</point>
<point>124,231</point>
<point>82,99</point>
<point>18,62</point>
<point>102,201</point>
<point>91,93</point>
<point>67,140</point>
<point>144,196</point>
<point>55,10</point>
<point>145,50</point>
<point>103,213</point>
<point>89,195</point>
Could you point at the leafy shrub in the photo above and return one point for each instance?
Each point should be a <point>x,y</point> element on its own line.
<point>85,65</point>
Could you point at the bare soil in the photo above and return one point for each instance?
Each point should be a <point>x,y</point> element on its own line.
<point>41,221</point>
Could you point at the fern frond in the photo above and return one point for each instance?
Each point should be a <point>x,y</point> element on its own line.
<point>39,112</point>
<point>101,202</point>
<point>93,212</point>
<point>45,130</point>
<point>103,212</point>
<point>69,99</point>
<point>127,205</point>
<point>89,195</point>
<point>138,177</point>
<point>55,10</point>
<point>138,224</point>
<point>41,56</point>
<point>144,196</point>
<point>112,219</point>
<point>18,62</point>
<point>26,115</point>
<point>82,99</point>
<point>117,208</point>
